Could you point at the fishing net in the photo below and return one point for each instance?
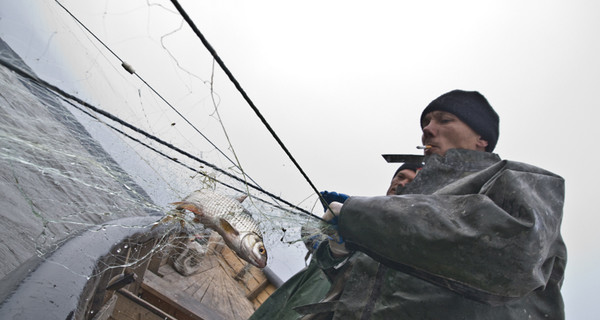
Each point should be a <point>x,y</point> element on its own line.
<point>114,109</point>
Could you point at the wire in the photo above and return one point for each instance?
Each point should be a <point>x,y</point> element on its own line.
<point>106,114</point>
<point>212,51</point>
<point>130,69</point>
<point>175,160</point>
<point>186,17</point>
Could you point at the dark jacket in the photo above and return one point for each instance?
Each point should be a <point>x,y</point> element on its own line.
<point>472,237</point>
<point>307,286</point>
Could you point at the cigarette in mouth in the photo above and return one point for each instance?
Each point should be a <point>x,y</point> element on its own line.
<point>424,147</point>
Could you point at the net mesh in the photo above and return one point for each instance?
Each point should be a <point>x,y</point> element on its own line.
<point>66,167</point>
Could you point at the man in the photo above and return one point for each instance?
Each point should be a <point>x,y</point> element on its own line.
<point>404,175</point>
<point>310,284</point>
<point>472,237</point>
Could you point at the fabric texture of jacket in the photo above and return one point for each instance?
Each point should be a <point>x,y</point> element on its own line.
<point>472,237</point>
<point>307,286</point>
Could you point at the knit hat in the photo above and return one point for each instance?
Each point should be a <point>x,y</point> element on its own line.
<point>411,166</point>
<point>473,109</point>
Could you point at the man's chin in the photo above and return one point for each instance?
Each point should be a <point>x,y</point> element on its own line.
<point>434,150</point>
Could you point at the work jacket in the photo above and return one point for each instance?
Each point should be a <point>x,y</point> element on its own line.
<point>472,237</point>
<point>307,286</point>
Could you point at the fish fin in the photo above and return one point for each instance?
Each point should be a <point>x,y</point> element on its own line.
<point>227,227</point>
<point>189,206</point>
<point>241,198</point>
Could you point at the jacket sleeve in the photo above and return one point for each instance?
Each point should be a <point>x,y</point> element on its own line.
<point>492,244</point>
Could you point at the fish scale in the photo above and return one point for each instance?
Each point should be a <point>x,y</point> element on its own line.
<point>217,206</point>
<point>228,218</point>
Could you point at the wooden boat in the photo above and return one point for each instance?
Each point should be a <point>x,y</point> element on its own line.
<point>223,286</point>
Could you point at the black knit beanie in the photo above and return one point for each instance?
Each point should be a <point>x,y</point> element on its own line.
<point>473,109</point>
<point>408,165</point>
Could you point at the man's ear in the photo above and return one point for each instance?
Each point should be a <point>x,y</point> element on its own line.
<point>481,144</point>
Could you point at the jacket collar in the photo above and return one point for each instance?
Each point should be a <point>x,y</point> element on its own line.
<point>440,171</point>
<point>467,159</point>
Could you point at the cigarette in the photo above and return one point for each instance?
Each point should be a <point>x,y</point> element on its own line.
<point>424,147</point>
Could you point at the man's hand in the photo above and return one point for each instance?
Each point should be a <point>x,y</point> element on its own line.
<point>333,212</point>
<point>329,197</point>
<point>336,243</point>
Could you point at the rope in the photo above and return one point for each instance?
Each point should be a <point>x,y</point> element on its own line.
<point>130,69</point>
<point>175,160</point>
<point>212,51</point>
<point>61,92</point>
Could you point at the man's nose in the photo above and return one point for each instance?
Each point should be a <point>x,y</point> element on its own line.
<point>429,130</point>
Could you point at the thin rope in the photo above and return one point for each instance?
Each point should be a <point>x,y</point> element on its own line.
<point>129,69</point>
<point>175,160</point>
<point>212,51</point>
<point>106,114</point>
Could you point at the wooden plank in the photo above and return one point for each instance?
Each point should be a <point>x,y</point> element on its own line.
<point>132,307</point>
<point>252,284</point>
<point>242,272</point>
<point>107,309</point>
<point>233,261</point>
<point>258,289</point>
<point>156,286</point>
<point>215,293</point>
<point>229,271</point>
<point>140,258</point>
<point>235,299</point>
<point>270,289</point>
<point>214,289</point>
<point>258,274</point>
<point>261,297</point>
<point>203,287</point>
<point>208,262</point>
<point>160,258</point>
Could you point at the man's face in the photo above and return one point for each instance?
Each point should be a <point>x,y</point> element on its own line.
<point>402,178</point>
<point>444,131</point>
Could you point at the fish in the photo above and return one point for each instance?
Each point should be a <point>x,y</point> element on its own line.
<point>229,219</point>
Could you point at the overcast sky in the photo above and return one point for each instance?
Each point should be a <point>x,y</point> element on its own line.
<point>342,82</point>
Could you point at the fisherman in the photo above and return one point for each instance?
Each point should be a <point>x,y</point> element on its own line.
<point>404,175</point>
<point>310,284</point>
<point>472,237</point>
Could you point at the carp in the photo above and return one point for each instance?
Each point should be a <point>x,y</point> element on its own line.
<point>227,217</point>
